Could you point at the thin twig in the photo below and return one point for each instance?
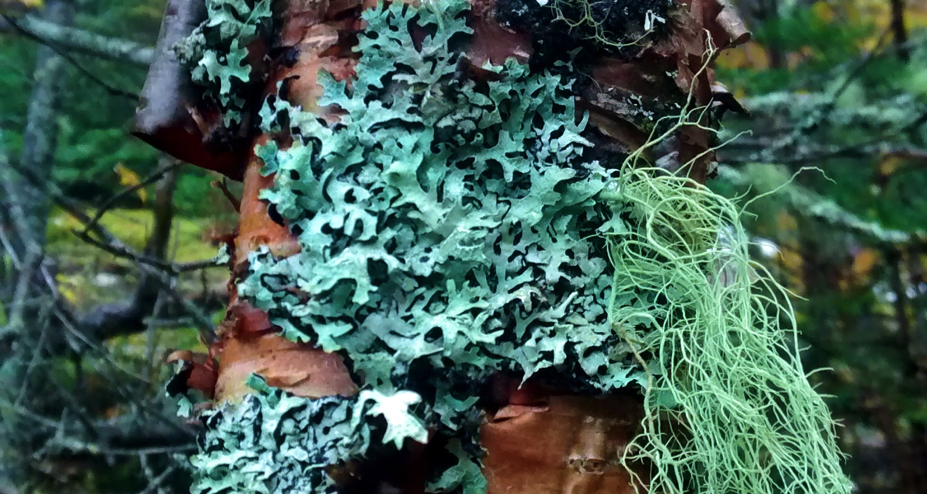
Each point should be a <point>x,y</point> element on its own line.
<point>114,245</point>
<point>155,484</point>
<point>150,339</point>
<point>26,413</point>
<point>122,251</point>
<point>191,266</point>
<point>154,177</point>
<point>224,188</point>
<point>34,360</point>
<point>108,241</point>
<point>33,259</point>
<point>8,248</point>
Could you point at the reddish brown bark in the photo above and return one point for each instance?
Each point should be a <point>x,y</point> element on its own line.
<point>170,115</point>
<point>547,441</point>
<point>312,37</point>
<point>539,439</point>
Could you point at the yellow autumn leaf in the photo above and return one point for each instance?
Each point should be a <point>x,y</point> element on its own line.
<point>148,11</point>
<point>916,14</point>
<point>786,222</point>
<point>128,178</point>
<point>10,6</point>
<point>890,163</point>
<point>864,262</point>
<point>790,259</point>
<point>113,412</point>
<point>66,288</point>
<point>751,55</point>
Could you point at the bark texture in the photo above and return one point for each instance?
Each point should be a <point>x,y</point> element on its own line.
<point>538,437</point>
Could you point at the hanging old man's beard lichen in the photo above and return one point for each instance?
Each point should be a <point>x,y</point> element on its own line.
<point>453,228</point>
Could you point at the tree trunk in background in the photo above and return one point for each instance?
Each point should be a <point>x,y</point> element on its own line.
<point>897,22</point>
<point>41,130</point>
<point>538,438</point>
<point>27,206</point>
<point>28,209</point>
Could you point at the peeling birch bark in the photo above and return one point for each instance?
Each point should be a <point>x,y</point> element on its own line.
<point>537,438</point>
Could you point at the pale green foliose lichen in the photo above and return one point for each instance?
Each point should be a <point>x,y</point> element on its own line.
<point>444,223</point>
<point>452,228</point>
<point>274,442</point>
<point>216,51</point>
<point>448,226</point>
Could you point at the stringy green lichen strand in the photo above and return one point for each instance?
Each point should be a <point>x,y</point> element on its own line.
<point>728,406</point>
<point>598,19</point>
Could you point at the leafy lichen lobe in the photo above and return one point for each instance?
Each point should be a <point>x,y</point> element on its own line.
<point>217,52</point>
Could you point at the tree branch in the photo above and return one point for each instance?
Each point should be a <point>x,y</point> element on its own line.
<point>105,207</point>
<point>67,57</point>
<point>126,317</point>
<point>128,434</point>
<point>82,41</point>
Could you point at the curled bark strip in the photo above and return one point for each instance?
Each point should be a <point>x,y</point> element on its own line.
<point>298,368</point>
<point>198,372</point>
<point>727,26</point>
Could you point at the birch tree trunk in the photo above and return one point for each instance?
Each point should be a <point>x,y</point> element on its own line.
<point>621,64</point>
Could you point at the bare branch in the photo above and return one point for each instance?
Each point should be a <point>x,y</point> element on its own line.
<point>17,322</point>
<point>67,57</point>
<point>105,207</point>
<point>155,484</point>
<point>126,435</point>
<point>124,317</point>
<point>82,41</point>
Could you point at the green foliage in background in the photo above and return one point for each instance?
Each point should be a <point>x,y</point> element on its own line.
<point>93,124</point>
<point>831,87</point>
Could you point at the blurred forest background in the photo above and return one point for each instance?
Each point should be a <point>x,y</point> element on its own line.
<point>106,247</point>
